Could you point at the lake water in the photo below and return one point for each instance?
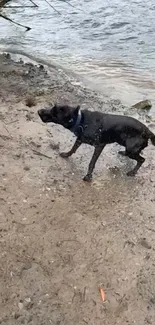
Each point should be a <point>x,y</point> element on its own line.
<point>110,44</point>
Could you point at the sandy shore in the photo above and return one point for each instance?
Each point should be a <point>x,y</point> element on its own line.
<point>60,239</point>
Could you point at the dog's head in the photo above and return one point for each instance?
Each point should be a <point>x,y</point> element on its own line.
<point>60,114</point>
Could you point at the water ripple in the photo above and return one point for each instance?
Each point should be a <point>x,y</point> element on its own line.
<point>93,31</point>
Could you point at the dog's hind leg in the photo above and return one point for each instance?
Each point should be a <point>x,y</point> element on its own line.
<point>134,146</point>
<point>140,160</point>
<point>92,163</point>
<point>73,150</point>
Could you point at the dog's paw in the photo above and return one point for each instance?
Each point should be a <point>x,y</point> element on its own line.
<point>64,154</point>
<point>87,178</point>
<point>131,173</point>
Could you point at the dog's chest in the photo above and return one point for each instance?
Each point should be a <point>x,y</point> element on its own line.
<point>92,136</point>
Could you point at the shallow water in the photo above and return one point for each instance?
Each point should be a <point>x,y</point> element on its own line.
<point>110,45</point>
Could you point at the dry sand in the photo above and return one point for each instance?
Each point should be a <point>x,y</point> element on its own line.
<point>60,238</point>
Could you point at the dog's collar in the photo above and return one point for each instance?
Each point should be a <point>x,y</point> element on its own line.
<point>77,126</point>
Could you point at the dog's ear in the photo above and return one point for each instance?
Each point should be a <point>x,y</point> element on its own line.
<point>76,110</point>
<point>54,110</point>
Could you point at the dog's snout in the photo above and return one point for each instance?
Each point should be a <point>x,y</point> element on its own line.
<point>40,111</point>
<point>45,115</point>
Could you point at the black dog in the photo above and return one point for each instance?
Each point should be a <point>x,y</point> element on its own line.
<point>99,129</point>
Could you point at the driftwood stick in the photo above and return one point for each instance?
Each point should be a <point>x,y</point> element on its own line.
<point>58,12</point>
<point>23,6</point>
<point>3,3</point>
<point>12,7</point>
<point>35,5</point>
<point>68,3</point>
<point>38,153</point>
<point>12,21</point>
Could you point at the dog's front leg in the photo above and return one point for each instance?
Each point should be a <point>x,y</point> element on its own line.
<point>91,167</point>
<point>73,150</point>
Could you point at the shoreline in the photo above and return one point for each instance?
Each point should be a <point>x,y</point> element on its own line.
<point>127,88</point>
<point>53,71</point>
<point>61,239</point>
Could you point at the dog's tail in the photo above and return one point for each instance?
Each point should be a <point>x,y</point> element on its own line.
<point>152,137</point>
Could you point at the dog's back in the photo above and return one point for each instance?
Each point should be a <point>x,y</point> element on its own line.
<point>111,121</point>
<point>109,128</point>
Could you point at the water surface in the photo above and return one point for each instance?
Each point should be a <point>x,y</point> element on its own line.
<point>110,43</point>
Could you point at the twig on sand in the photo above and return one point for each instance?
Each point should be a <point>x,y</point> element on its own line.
<point>4,137</point>
<point>23,224</point>
<point>11,122</point>
<point>84,294</point>
<point>10,136</point>
<point>38,153</point>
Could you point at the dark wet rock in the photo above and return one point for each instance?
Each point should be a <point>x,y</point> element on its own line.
<point>41,67</point>
<point>142,105</point>
<point>21,61</point>
<point>27,168</point>
<point>7,56</point>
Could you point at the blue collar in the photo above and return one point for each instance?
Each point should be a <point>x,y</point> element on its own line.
<point>77,123</point>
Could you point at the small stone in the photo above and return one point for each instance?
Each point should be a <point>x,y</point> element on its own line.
<point>26,168</point>
<point>18,155</point>
<point>28,299</point>
<point>144,104</point>
<point>144,243</point>
<point>20,305</point>
<point>41,67</point>
<point>16,315</point>
<point>28,303</point>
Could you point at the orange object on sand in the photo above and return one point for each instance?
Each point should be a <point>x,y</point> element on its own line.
<point>102,294</point>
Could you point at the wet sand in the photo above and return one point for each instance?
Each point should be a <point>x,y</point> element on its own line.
<point>61,239</point>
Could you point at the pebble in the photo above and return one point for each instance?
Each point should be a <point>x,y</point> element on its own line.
<point>15,315</point>
<point>20,305</point>
<point>26,168</point>
<point>144,104</point>
<point>145,243</point>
